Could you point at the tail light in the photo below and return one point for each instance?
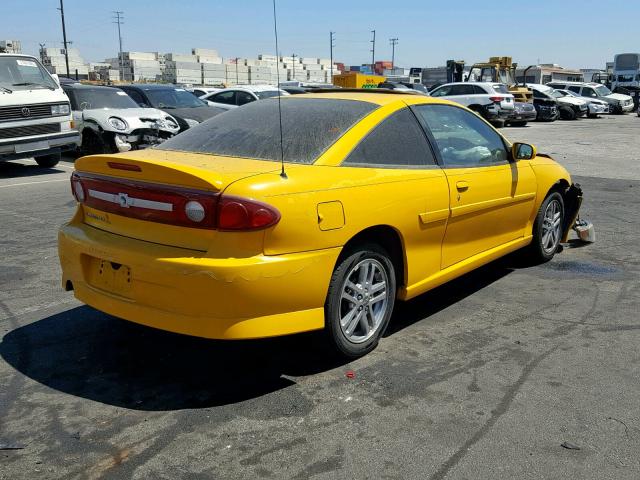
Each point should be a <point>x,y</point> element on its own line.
<point>496,99</point>
<point>171,205</point>
<point>235,213</point>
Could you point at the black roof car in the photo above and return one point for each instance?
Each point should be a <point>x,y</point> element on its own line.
<point>185,107</point>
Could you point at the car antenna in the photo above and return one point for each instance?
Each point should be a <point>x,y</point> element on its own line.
<point>275,31</point>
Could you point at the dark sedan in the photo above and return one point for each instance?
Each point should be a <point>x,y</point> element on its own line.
<point>187,109</point>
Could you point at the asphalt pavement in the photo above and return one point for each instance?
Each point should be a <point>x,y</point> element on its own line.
<point>483,378</point>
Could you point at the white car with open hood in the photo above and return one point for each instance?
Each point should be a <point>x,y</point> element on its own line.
<point>35,117</point>
<point>110,121</point>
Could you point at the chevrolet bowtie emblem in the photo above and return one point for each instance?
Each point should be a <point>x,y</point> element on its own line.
<point>123,200</point>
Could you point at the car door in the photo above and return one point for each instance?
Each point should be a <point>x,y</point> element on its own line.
<point>396,157</point>
<point>491,197</point>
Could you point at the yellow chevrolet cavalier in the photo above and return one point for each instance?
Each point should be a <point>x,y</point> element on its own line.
<point>226,232</point>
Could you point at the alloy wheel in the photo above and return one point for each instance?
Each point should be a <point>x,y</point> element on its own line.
<point>552,226</point>
<point>364,300</point>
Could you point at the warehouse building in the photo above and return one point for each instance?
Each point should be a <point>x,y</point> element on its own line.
<point>10,46</point>
<point>548,72</point>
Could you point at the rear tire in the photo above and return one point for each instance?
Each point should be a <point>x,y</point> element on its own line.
<point>360,300</point>
<point>517,124</point>
<point>48,161</point>
<point>547,229</point>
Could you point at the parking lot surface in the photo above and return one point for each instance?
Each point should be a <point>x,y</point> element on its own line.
<point>483,378</point>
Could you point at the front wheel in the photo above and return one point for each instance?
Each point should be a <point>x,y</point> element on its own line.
<point>360,301</point>
<point>547,229</point>
<point>48,161</point>
<point>567,113</point>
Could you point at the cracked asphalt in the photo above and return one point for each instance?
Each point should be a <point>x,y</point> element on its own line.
<point>483,378</point>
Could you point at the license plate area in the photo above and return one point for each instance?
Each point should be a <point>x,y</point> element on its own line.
<point>108,276</point>
<point>32,146</point>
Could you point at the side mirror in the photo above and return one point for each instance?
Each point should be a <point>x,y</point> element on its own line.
<point>56,78</point>
<point>523,151</point>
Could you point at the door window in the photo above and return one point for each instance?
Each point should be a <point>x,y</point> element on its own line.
<point>136,96</point>
<point>588,92</point>
<point>398,142</point>
<point>462,138</point>
<point>244,97</point>
<point>228,98</point>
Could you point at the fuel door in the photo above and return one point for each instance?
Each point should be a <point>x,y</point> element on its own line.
<point>330,215</point>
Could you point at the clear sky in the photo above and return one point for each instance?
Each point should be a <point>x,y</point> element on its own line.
<point>573,33</point>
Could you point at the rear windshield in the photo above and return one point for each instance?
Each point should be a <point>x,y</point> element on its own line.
<point>268,94</point>
<point>309,127</point>
<point>501,88</point>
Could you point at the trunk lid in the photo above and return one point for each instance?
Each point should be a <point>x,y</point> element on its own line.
<point>208,174</point>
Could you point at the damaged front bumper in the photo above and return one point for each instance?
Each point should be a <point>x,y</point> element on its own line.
<point>572,203</point>
<point>140,139</point>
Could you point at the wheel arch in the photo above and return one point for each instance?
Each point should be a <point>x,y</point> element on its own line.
<point>387,237</point>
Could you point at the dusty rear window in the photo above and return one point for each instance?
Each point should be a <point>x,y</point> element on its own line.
<point>309,127</point>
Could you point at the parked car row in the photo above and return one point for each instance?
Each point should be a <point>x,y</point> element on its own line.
<point>556,100</point>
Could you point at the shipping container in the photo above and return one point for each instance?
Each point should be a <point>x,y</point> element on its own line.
<point>357,80</point>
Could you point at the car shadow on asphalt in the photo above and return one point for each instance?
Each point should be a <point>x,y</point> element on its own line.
<point>91,355</point>
<point>433,301</point>
<point>20,170</point>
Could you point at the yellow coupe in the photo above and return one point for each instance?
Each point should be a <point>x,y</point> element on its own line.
<point>231,231</point>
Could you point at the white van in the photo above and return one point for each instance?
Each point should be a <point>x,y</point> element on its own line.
<point>35,116</point>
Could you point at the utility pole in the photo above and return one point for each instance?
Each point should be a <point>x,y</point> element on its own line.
<point>293,56</point>
<point>64,38</point>
<point>119,20</point>
<point>237,79</point>
<point>332,36</point>
<point>42,46</point>
<point>373,52</point>
<point>394,42</point>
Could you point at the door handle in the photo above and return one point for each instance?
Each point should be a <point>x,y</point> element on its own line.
<point>462,186</point>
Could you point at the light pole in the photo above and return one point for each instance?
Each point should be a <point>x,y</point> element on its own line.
<point>64,38</point>
<point>394,42</point>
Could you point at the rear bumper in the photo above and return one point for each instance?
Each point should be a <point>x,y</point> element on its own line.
<point>525,116</point>
<point>16,149</point>
<point>185,291</point>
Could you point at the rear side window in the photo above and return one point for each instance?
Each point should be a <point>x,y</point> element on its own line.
<point>309,127</point>
<point>574,89</point>
<point>228,98</point>
<point>398,142</point>
<point>462,90</point>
